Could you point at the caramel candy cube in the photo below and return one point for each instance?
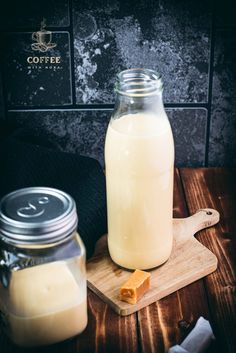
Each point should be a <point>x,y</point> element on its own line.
<point>135,287</point>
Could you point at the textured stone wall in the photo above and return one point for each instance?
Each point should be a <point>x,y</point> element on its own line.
<point>191,43</point>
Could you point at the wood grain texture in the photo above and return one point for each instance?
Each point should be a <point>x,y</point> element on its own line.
<point>107,332</point>
<point>216,188</point>
<point>156,327</point>
<point>188,262</point>
<point>168,321</point>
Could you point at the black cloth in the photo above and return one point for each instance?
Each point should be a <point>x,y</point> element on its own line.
<point>30,161</point>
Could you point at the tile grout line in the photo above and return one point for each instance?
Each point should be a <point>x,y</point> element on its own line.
<point>3,83</point>
<point>19,30</point>
<point>210,87</point>
<point>100,106</point>
<point>72,57</point>
<point>75,106</point>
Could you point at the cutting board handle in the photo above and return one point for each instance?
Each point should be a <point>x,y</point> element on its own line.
<point>203,218</point>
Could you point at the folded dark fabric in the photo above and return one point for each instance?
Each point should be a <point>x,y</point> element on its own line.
<point>24,163</point>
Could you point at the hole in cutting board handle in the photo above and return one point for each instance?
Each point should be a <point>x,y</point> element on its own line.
<point>205,217</point>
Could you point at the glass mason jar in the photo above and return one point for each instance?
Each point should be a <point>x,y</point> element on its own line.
<point>43,298</point>
<point>139,159</point>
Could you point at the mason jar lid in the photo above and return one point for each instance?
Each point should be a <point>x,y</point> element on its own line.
<point>37,215</point>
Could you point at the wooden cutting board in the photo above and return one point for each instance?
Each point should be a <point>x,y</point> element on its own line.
<point>189,261</point>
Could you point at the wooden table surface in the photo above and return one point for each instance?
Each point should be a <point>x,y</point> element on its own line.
<point>166,322</point>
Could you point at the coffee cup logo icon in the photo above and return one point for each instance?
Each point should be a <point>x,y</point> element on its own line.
<point>43,39</point>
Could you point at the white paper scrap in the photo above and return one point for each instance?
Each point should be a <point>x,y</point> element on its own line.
<point>177,349</point>
<point>197,341</point>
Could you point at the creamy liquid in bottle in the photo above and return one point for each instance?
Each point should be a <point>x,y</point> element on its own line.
<point>45,304</point>
<point>139,156</point>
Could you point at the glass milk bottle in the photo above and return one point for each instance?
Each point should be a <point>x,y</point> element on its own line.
<point>139,158</point>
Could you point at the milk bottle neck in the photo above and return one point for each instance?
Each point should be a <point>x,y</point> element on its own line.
<point>133,105</point>
<point>138,91</point>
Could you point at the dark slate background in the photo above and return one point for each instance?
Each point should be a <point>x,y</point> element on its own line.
<point>191,43</point>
